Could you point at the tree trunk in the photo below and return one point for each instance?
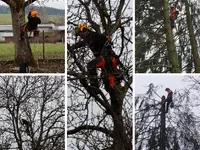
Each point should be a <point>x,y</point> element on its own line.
<point>193,42</point>
<point>173,58</point>
<point>121,141</point>
<point>23,54</point>
<point>120,138</point>
<point>162,127</point>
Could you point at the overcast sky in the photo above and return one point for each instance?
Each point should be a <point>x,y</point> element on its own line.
<point>172,81</point>
<point>60,4</point>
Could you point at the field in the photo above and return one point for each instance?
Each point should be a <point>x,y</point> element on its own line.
<point>53,62</point>
<point>5,19</point>
<point>52,51</point>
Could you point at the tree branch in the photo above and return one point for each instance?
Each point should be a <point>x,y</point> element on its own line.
<point>28,2</point>
<point>94,25</point>
<point>9,2</point>
<point>89,127</point>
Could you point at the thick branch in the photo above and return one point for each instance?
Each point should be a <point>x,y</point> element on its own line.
<point>89,127</point>
<point>102,11</point>
<point>94,25</point>
<point>9,2</point>
<point>28,2</point>
<point>119,10</point>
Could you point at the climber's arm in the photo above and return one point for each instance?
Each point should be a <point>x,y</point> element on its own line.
<point>76,45</point>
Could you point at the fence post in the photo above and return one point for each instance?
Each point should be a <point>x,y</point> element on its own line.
<point>43,48</point>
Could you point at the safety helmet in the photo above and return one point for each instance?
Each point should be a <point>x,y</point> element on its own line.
<point>34,13</point>
<point>80,28</point>
<point>83,26</point>
<point>167,89</point>
<point>172,7</point>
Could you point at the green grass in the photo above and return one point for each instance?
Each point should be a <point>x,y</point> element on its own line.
<point>57,19</point>
<point>52,51</point>
<point>6,19</point>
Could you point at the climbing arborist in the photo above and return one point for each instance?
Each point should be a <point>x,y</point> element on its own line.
<point>101,47</point>
<point>169,98</point>
<point>173,16</point>
<point>27,125</point>
<point>31,25</point>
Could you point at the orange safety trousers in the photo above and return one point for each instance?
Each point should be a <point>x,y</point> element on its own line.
<point>102,64</point>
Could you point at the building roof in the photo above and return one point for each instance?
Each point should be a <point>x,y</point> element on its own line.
<point>10,34</point>
<point>51,25</point>
<point>59,28</point>
<point>5,27</point>
<point>7,34</point>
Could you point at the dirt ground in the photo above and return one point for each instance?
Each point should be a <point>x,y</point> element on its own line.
<point>43,66</point>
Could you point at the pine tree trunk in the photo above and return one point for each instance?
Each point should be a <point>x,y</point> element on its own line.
<point>162,127</point>
<point>23,54</point>
<point>173,58</point>
<point>193,42</point>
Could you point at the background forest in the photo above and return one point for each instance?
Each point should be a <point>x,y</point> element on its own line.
<point>161,49</point>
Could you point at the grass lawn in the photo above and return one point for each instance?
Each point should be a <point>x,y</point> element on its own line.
<point>5,19</point>
<point>52,51</point>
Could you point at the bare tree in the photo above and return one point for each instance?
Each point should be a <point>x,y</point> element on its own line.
<point>89,125</point>
<point>32,112</point>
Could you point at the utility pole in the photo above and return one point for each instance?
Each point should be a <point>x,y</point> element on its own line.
<point>162,127</point>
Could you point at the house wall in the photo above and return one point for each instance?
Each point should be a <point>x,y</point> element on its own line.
<point>49,37</point>
<point>9,39</point>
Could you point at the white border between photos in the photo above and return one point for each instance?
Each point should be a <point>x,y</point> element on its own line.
<point>65,74</point>
<point>133,83</point>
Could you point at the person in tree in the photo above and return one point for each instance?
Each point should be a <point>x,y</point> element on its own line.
<point>27,125</point>
<point>173,16</point>
<point>31,25</point>
<point>169,98</point>
<point>105,58</point>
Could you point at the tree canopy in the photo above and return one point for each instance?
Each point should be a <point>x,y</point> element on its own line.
<point>155,51</point>
<point>89,125</point>
<point>32,113</point>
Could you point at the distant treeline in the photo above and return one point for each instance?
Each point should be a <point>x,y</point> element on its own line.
<point>50,11</point>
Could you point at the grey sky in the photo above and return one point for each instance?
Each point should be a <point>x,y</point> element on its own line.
<point>171,81</point>
<point>60,4</point>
